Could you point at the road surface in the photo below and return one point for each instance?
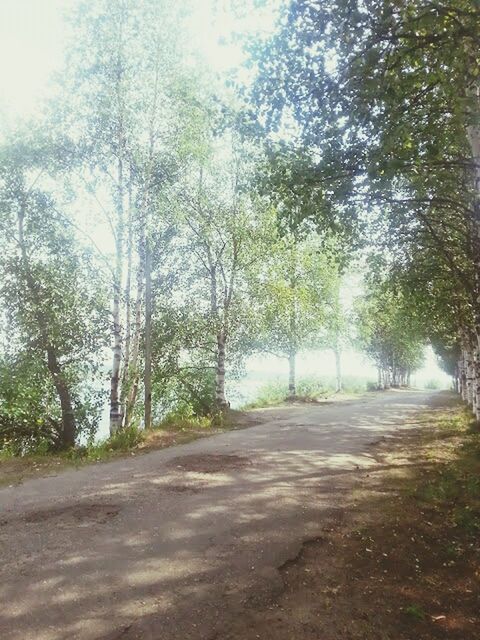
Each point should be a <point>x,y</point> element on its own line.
<point>174,543</point>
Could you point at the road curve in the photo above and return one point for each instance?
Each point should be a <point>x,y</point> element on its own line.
<point>173,543</point>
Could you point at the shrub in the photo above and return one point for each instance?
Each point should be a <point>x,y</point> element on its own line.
<point>433,383</point>
<point>29,415</point>
<point>184,420</point>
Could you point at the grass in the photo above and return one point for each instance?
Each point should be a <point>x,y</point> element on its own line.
<point>309,389</point>
<point>455,488</point>
<point>415,611</point>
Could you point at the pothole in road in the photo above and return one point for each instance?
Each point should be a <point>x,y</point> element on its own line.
<point>79,514</point>
<point>181,488</point>
<point>210,463</point>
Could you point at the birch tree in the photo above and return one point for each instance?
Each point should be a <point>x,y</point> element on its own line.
<point>226,230</point>
<point>294,296</point>
<point>131,97</point>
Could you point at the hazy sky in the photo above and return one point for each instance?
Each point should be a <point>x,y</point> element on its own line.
<point>31,44</point>
<point>32,39</point>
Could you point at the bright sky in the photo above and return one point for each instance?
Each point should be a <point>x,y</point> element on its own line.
<point>31,45</point>
<point>32,39</point>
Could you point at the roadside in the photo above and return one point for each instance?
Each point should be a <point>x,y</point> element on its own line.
<point>132,442</point>
<point>402,561</point>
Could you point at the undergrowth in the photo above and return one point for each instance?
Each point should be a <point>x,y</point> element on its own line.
<point>456,485</point>
<point>309,388</point>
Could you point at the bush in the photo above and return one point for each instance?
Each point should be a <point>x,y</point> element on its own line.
<point>124,440</point>
<point>185,393</point>
<point>270,394</point>
<point>184,420</point>
<point>433,383</point>
<point>29,414</point>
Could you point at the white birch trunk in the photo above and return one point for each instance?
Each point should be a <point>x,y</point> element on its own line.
<point>473,134</point>
<point>464,375</point>
<point>292,382</point>
<point>338,369</point>
<point>220,398</point>
<point>115,405</point>
<point>379,378</point>
<point>470,376</point>
<point>148,336</point>
<point>133,372</point>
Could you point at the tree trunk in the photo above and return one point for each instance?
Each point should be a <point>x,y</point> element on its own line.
<point>148,336</point>
<point>387,380</point>
<point>133,372</point>
<point>379,378</point>
<point>292,382</point>
<point>476,386</point>
<point>115,405</point>
<point>68,417</point>
<point>463,375</point>
<point>470,375</point>
<point>473,134</point>
<point>115,412</point>
<point>338,370</point>
<point>128,313</point>
<point>220,398</point>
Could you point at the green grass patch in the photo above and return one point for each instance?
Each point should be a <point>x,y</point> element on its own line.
<point>415,611</point>
<point>182,422</point>
<point>309,388</point>
<point>455,487</point>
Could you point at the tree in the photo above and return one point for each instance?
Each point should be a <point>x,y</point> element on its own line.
<point>385,99</point>
<point>390,336</point>
<point>133,106</point>
<point>294,294</point>
<point>57,316</point>
<point>337,326</point>
<point>225,227</point>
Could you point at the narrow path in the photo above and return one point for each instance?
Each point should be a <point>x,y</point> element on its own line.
<point>173,544</point>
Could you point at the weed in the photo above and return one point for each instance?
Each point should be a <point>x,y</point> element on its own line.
<point>181,422</point>
<point>415,611</point>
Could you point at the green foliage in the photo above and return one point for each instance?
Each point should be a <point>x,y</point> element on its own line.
<point>415,611</point>
<point>308,388</point>
<point>124,440</point>
<point>384,102</point>
<point>433,383</point>
<point>389,332</point>
<point>184,420</point>
<point>29,415</point>
<point>297,287</point>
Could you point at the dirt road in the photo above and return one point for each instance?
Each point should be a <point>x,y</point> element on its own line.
<point>175,543</point>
